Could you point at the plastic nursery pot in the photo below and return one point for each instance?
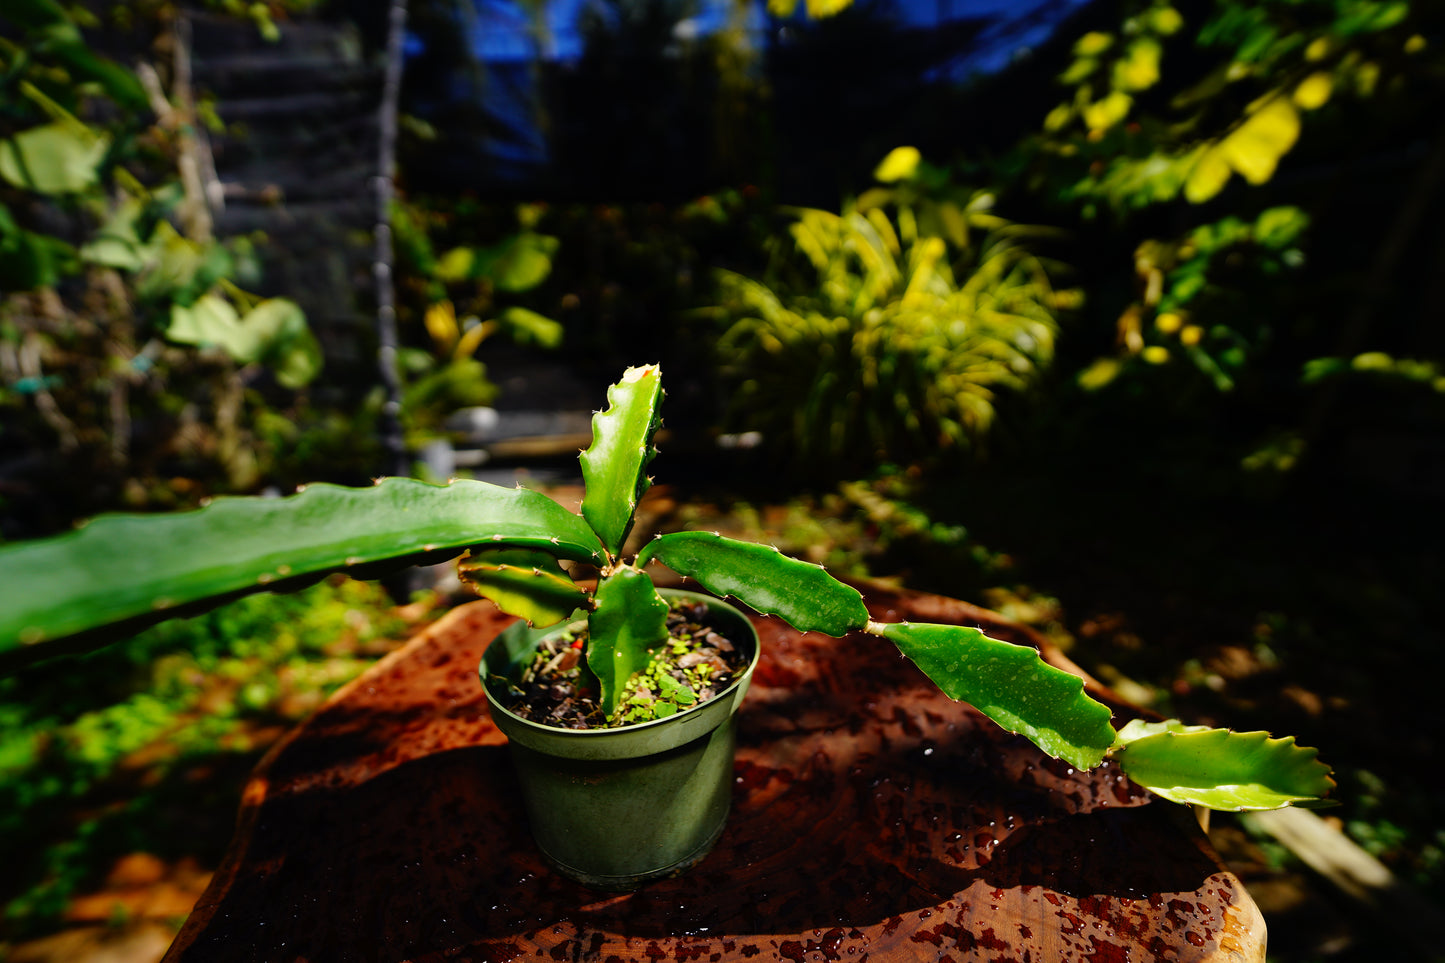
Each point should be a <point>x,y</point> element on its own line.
<point>614,808</point>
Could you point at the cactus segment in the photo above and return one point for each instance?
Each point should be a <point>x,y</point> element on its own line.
<point>528,584</point>
<point>122,572</point>
<point>628,623</point>
<point>1220,769</point>
<point>1011,685</point>
<point>800,593</point>
<point>614,467</point>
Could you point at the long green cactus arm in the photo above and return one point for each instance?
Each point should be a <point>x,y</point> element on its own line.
<point>1011,685</point>
<point>628,622</point>
<point>523,582</point>
<point>1220,769</point>
<point>1008,683</point>
<point>801,593</point>
<point>80,590</point>
<point>614,466</point>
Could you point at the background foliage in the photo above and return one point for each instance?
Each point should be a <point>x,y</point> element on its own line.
<point>1147,352</point>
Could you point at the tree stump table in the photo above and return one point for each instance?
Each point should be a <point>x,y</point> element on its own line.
<point>873,819</point>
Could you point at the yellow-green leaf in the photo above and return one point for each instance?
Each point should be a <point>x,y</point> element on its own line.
<point>1209,175</point>
<point>1139,68</point>
<point>1314,91</point>
<point>523,582</point>
<point>1105,113</point>
<point>1092,44</point>
<point>59,158</point>
<point>1011,685</point>
<point>1255,148</point>
<point>900,164</point>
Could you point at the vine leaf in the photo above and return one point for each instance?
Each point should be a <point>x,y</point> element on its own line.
<point>614,466</point>
<point>801,593</point>
<point>528,584</point>
<point>1011,685</point>
<point>628,622</point>
<point>1220,769</point>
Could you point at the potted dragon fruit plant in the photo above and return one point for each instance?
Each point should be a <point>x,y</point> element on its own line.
<point>645,786</point>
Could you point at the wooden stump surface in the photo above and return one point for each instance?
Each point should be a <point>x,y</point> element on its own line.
<point>873,819</point>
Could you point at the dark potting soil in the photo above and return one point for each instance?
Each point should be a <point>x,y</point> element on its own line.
<point>694,665</point>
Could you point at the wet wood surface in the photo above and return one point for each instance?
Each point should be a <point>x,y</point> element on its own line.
<point>873,819</point>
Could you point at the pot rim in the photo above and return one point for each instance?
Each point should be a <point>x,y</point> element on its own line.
<point>726,698</point>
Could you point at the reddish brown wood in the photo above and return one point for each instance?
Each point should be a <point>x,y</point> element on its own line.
<point>873,820</point>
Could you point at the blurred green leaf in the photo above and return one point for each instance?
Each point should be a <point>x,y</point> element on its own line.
<point>529,327</point>
<point>63,157</point>
<point>519,263</point>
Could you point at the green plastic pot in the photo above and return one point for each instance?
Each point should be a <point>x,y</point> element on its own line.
<point>614,808</point>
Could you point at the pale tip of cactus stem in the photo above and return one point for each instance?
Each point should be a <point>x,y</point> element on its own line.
<point>31,634</point>
<point>162,603</point>
<point>265,578</point>
<point>353,560</point>
<point>85,521</point>
<point>283,570</point>
<point>429,547</point>
<point>555,540</point>
<point>496,538</point>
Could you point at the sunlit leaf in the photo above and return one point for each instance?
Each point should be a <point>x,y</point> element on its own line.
<point>900,164</point>
<point>800,593</point>
<point>455,265</point>
<point>1092,44</point>
<point>210,321</point>
<point>1220,769</point>
<point>1100,373</point>
<point>441,323</point>
<point>826,8</point>
<point>273,333</point>
<point>1254,150</point>
<point>284,342</point>
<point>1208,176</point>
<point>527,583</point>
<point>519,263</point>
<point>1058,118</point>
<point>614,466</point>
<point>529,327</point>
<point>1011,685</point>
<point>1105,113</point>
<point>59,158</point>
<point>1139,68</point>
<point>237,546</point>
<point>1314,91</point>
<point>1165,20</point>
